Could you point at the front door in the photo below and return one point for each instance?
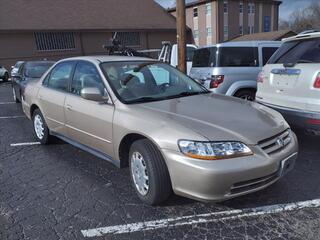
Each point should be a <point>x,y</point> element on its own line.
<point>89,122</point>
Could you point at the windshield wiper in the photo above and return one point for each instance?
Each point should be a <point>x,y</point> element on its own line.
<point>145,99</point>
<point>185,94</point>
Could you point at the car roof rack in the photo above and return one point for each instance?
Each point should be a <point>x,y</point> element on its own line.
<point>309,31</point>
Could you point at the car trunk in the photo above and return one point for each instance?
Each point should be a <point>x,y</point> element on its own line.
<point>290,87</point>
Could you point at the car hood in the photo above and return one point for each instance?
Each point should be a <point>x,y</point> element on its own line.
<point>221,118</point>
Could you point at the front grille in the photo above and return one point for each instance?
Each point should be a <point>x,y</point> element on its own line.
<point>276,143</point>
<point>253,183</point>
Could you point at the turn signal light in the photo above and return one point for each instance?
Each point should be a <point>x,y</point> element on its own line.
<point>317,82</point>
<point>216,80</point>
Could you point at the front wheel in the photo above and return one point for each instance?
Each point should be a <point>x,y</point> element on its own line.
<point>149,173</point>
<point>6,77</point>
<point>40,127</point>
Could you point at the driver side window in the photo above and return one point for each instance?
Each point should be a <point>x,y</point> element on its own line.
<point>86,75</point>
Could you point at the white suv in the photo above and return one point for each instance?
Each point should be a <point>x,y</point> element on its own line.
<point>290,82</point>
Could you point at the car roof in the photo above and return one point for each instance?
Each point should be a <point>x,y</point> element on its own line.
<point>243,44</point>
<point>303,35</point>
<point>37,62</point>
<point>107,58</point>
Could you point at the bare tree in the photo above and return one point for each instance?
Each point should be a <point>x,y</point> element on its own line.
<point>303,19</point>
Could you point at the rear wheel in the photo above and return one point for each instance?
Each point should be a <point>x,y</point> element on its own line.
<point>40,127</point>
<point>149,173</point>
<point>246,94</point>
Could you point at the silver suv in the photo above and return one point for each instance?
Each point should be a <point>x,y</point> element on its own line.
<point>232,68</point>
<point>290,82</point>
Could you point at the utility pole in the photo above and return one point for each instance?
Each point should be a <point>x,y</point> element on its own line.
<point>181,34</point>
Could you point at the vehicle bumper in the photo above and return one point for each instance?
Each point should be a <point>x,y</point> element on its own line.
<point>225,179</point>
<point>309,121</point>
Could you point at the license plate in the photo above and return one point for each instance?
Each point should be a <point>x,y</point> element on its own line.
<point>288,164</point>
<point>285,78</point>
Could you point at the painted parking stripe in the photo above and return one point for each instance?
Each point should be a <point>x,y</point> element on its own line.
<point>200,218</point>
<point>12,117</point>
<point>24,144</point>
<point>4,103</point>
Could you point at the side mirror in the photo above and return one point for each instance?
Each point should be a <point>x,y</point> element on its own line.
<point>93,94</point>
<point>12,67</point>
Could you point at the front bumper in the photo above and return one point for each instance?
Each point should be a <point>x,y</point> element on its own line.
<point>224,179</point>
<point>299,118</point>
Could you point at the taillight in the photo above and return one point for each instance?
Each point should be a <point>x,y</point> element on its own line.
<point>313,121</point>
<point>317,81</point>
<point>260,77</point>
<point>215,80</point>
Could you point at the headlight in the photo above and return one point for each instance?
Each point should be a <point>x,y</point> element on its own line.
<point>213,150</point>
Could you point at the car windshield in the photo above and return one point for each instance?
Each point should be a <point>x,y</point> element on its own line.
<point>36,69</point>
<point>135,82</point>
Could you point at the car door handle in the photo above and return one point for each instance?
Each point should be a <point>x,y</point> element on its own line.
<point>69,107</point>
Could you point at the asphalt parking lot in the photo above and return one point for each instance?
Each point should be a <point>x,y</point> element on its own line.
<point>59,192</point>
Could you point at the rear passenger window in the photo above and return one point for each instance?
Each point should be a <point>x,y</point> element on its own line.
<point>60,75</point>
<point>306,51</point>
<point>267,52</point>
<point>204,57</point>
<point>238,57</point>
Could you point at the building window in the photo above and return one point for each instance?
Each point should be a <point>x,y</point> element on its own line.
<point>196,33</point>
<point>54,41</point>
<point>241,30</point>
<point>266,24</point>
<point>226,30</point>
<point>241,7</point>
<point>225,6</point>
<point>209,31</point>
<point>252,30</point>
<point>195,12</point>
<point>208,9</point>
<point>128,38</point>
<point>251,8</point>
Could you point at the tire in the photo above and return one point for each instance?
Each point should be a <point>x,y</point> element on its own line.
<point>15,99</point>
<point>6,77</point>
<point>38,121</point>
<point>246,94</point>
<point>159,183</point>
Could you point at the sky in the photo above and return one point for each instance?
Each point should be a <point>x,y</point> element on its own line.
<point>286,8</point>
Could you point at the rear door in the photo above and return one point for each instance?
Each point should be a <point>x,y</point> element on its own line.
<point>290,74</point>
<point>52,96</point>
<point>238,64</point>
